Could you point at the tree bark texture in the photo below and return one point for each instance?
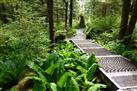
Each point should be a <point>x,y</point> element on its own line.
<point>66,14</point>
<point>71,13</point>
<point>132,24</point>
<point>124,18</point>
<point>51,22</point>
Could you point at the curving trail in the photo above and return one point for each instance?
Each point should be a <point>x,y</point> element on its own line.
<point>115,70</point>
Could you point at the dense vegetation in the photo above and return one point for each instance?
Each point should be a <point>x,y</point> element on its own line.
<point>34,55</point>
<point>65,69</point>
<point>27,60</point>
<point>108,26</point>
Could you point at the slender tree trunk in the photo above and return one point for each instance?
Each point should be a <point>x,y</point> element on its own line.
<point>124,18</point>
<point>51,22</point>
<point>66,15</point>
<point>93,6</point>
<point>104,9</point>
<point>3,16</point>
<point>71,13</point>
<point>132,24</point>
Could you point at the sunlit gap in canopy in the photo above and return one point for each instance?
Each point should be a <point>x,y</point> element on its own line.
<point>81,2</point>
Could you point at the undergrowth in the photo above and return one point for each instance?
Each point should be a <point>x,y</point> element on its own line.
<point>104,30</point>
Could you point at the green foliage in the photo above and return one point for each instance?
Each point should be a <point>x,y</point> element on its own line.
<point>24,44</point>
<point>62,69</point>
<point>22,41</point>
<point>10,73</point>
<point>117,47</point>
<point>104,30</point>
<point>102,8</point>
<point>96,87</point>
<point>91,71</point>
<point>130,54</point>
<point>73,85</point>
<point>97,25</point>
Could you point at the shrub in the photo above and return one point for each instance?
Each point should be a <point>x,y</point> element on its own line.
<point>98,25</point>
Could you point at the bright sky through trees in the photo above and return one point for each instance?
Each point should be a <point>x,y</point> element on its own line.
<point>81,6</point>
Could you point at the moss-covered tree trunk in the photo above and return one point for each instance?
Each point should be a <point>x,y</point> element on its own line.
<point>124,18</point>
<point>3,15</point>
<point>51,22</point>
<point>132,23</point>
<point>66,14</point>
<point>71,13</point>
<point>82,22</point>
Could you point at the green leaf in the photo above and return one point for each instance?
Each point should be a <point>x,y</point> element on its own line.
<point>72,85</point>
<point>13,89</point>
<point>75,84</point>
<point>84,58</point>
<point>79,77</point>
<point>53,86</point>
<point>51,69</point>
<point>52,59</point>
<point>91,71</point>
<point>73,55</point>
<point>39,84</point>
<point>63,79</point>
<point>82,69</point>
<point>97,87</point>
<point>80,63</point>
<point>91,60</point>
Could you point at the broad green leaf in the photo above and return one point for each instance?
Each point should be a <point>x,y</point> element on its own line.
<point>97,87</point>
<point>84,58</point>
<point>63,79</point>
<point>72,85</point>
<point>75,84</point>
<point>80,77</point>
<point>82,69</point>
<point>53,86</point>
<point>80,63</point>
<point>51,69</point>
<point>39,84</point>
<point>91,60</point>
<point>73,55</point>
<point>13,89</point>
<point>52,59</point>
<point>91,71</point>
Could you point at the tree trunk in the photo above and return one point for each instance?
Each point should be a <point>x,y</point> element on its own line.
<point>124,18</point>
<point>66,15</point>
<point>104,9</point>
<point>51,22</point>
<point>93,6</point>
<point>71,13</point>
<point>3,15</point>
<point>132,24</point>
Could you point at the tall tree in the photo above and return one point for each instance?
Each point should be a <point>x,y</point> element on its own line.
<point>132,23</point>
<point>71,13</point>
<point>128,24</point>
<point>66,13</point>
<point>3,13</point>
<point>124,18</point>
<point>51,22</point>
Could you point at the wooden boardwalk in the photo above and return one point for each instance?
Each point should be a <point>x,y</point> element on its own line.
<point>118,71</point>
